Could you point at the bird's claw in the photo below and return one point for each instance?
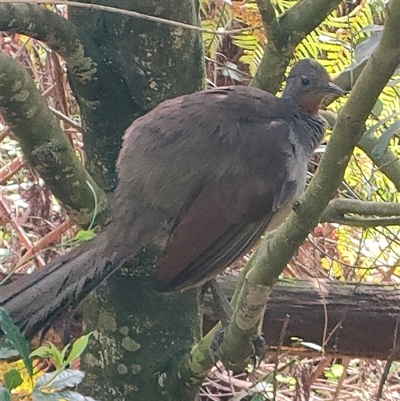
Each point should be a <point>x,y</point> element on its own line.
<point>259,348</point>
<point>215,344</point>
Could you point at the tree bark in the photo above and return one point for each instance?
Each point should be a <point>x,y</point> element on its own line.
<point>144,63</point>
<point>284,34</point>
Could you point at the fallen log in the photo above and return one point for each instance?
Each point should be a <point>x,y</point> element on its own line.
<point>362,320</point>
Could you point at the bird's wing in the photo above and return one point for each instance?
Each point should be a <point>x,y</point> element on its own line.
<point>208,236</point>
<point>228,216</point>
<point>219,167</point>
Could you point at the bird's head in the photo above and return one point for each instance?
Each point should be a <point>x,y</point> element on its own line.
<point>308,84</point>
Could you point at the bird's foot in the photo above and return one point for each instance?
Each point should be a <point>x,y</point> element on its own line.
<point>260,350</point>
<point>215,344</point>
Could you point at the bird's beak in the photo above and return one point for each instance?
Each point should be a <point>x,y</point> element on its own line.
<point>332,88</point>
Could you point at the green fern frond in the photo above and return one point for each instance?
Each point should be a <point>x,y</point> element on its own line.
<point>221,18</point>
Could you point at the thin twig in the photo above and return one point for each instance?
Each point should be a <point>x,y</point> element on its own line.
<point>278,352</point>
<point>390,359</point>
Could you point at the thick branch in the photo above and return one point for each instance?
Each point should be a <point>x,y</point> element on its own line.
<point>100,91</point>
<point>361,317</point>
<point>346,80</point>
<point>349,212</point>
<point>273,254</point>
<point>290,29</point>
<point>267,11</point>
<point>59,34</point>
<point>45,145</point>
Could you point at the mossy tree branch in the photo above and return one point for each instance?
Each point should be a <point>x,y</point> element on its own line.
<point>267,12</point>
<point>273,254</point>
<point>58,34</point>
<point>45,145</point>
<point>284,35</point>
<point>100,92</point>
<point>359,213</point>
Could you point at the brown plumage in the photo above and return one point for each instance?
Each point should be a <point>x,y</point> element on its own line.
<point>216,169</point>
<point>202,176</point>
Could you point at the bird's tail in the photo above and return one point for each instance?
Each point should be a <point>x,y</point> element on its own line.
<point>34,300</point>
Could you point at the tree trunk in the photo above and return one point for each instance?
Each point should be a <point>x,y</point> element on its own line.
<point>140,336</point>
<point>143,63</point>
<point>141,340</point>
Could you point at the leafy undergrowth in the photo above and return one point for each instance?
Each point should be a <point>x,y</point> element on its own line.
<point>29,378</point>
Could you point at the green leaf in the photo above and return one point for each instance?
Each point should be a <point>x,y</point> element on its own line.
<point>66,378</point>
<point>42,352</point>
<point>337,370</point>
<point>12,379</point>
<point>64,351</point>
<point>84,235</point>
<point>258,397</point>
<point>382,144</point>
<point>4,394</point>
<point>16,339</point>
<point>377,109</point>
<point>56,354</point>
<point>78,347</point>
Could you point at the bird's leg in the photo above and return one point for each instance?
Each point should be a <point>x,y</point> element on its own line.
<point>259,349</point>
<point>223,309</point>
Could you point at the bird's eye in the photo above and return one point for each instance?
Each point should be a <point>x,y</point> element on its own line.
<point>305,80</point>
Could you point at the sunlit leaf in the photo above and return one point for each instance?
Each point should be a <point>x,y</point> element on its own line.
<point>78,347</point>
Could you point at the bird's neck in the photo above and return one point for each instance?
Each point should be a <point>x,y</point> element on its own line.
<point>315,129</point>
<point>311,121</point>
<point>309,106</point>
